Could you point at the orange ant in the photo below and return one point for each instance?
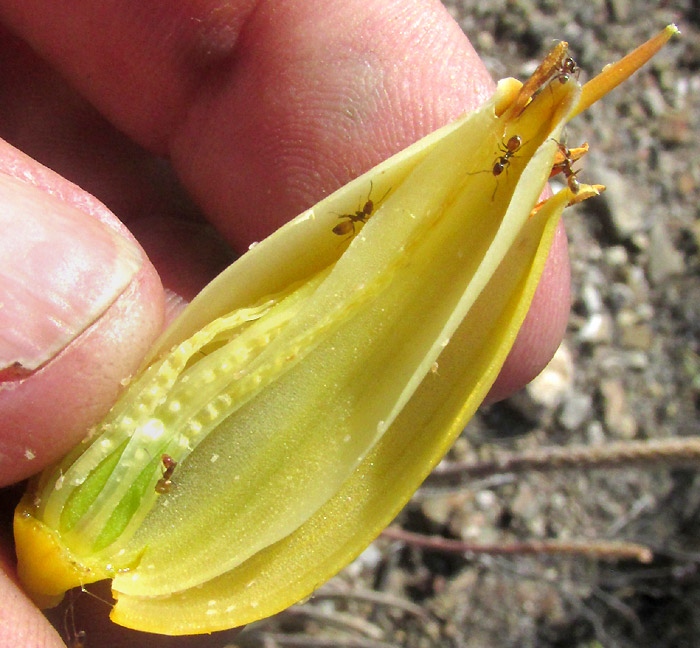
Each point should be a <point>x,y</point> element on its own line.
<point>360,216</point>
<point>164,484</point>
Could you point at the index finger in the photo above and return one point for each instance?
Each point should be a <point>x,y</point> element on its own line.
<point>264,107</point>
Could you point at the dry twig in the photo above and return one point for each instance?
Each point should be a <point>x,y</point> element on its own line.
<point>375,598</point>
<point>663,453</point>
<point>599,549</point>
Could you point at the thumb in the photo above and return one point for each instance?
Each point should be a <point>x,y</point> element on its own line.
<point>79,306</point>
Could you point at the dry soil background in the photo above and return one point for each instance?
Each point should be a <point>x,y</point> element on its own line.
<point>629,369</point>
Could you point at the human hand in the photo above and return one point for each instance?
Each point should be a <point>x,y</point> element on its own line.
<point>260,109</point>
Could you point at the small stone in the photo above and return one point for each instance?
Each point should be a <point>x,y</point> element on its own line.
<point>575,410</point>
<point>590,295</point>
<point>597,329</point>
<point>555,380</point>
<point>637,281</point>
<point>485,500</point>
<point>645,312</point>
<point>595,433</point>
<point>524,505</point>
<point>624,211</point>
<point>637,336</point>
<point>664,259</point>
<point>620,296</point>
<point>618,419</point>
<point>637,360</point>
<point>640,240</point>
<point>437,509</point>
<point>476,527</point>
<point>593,254</point>
<point>612,362</point>
<point>616,256</point>
<point>686,184</point>
<point>620,10</point>
<point>654,100</point>
<point>674,128</point>
<point>626,318</point>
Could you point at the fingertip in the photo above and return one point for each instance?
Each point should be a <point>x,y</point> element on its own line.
<point>21,623</point>
<point>545,324</point>
<point>46,413</point>
<point>319,98</point>
<point>71,333</point>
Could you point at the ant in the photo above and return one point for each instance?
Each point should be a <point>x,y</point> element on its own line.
<point>564,164</point>
<point>164,484</point>
<point>509,149</point>
<point>556,65</point>
<point>567,68</point>
<point>550,66</point>
<point>506,151</point>
<point>360,216</point>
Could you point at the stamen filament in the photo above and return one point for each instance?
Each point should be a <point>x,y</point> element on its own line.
<point>615,73</point>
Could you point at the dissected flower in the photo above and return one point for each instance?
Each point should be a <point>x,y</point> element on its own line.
<point>291,411</point>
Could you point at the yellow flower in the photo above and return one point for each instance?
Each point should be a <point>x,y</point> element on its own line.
<point>287,416</point>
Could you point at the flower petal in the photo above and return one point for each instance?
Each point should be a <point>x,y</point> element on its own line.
<point>297,403</point>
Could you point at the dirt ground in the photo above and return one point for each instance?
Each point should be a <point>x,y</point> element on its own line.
<point>629,370</point>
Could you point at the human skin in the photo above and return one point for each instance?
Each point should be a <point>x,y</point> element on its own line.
<point>260,109</point>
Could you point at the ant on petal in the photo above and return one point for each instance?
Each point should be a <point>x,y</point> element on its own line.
<point>509,149</point>
<point>360,216</point>
<point>567,68</point>
<point>165,483</point>
<point>556,65</point>
<point>506,151</point>
<point>563,163</point>
<point>550,67</point>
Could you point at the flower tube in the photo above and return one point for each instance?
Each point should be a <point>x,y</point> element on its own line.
<point>294,407</point>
